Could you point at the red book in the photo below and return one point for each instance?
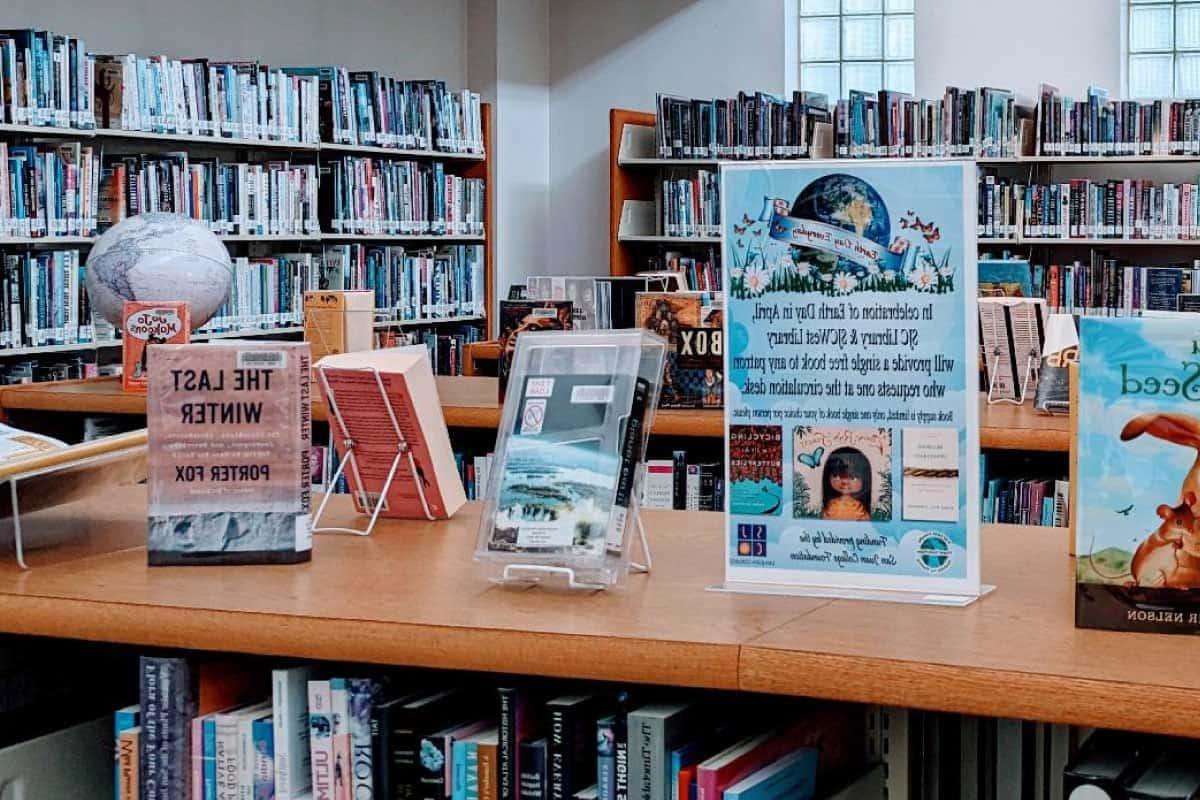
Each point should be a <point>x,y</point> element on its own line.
<point>144,323</point>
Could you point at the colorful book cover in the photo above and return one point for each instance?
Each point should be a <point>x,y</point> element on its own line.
<point>851,298</point>
<point>756,469</point>
<point>691,324</point>
<point>1137,539</point>
<point>431,486</point>
<point>518,316</point>
<point>230,427</point>
<point>145,323</point>
<point>794,776</point>
<point>1005,278</point>
<point>264,758</point>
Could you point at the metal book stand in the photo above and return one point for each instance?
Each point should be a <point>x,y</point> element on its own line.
<point>403,451</point>
<point>1032,363</point>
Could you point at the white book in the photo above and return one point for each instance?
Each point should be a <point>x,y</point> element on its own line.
<point>227,724</point>
<point>246,758</point>
<point>658,484</point>
<point>293,762</point>
<point>320,741</point>
<point>692,487</point>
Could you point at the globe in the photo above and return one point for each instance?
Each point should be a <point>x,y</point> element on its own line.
<point>846,202</point>
<point>159,257</point>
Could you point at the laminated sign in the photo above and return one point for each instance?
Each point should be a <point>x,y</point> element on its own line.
<point>851,377</point>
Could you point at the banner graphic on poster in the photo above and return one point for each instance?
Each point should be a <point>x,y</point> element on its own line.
<point>851,376</point>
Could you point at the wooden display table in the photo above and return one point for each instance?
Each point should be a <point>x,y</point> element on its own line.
<point>409,595</point>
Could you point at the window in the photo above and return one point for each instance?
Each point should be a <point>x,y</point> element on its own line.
<point>856,44</point>
<point>1163,46</point>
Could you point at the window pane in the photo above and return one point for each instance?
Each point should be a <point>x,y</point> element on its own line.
<point>1187,75</point>
<point>898,37</point>
<point>1187,27</point>
<point>1150,76</point>
<point>898,5</point>
<point>819,39</point>
<point>864,76</point>
<point>862,37</point>
<point>899,76</point>
<point>821,78</point>
<point>1151,28</point>
<point>861,6</point>
<point>810,7</point>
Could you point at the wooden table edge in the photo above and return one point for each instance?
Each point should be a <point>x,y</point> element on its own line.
<point>563,655</point>
<point>983,691</point>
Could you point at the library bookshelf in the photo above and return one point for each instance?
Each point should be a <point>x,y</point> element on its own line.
<point>409,596</point>
<point>467,165</point>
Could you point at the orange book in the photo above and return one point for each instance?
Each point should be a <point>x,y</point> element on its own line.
<point>338,322</point>
<point>128,748</point>
<point>144,323</point>
<point>487,768</point>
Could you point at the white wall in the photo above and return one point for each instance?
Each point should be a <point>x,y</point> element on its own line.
<point>406,38</point>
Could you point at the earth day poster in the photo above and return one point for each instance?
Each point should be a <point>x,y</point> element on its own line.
<point>852,433</point>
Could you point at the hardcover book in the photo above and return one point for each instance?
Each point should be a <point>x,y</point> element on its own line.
<point>570,728</point>
<point>1060,352</point>
<point>519,316</point>
<point>1137,540</point>
<point>169,701</point>
<point>794,776</point>
<point>293,763</point>
<point>412,400</point>
<point>691,324</point>
<point>230,430</point>
<point>144,324</point>
<point>1005,278</point>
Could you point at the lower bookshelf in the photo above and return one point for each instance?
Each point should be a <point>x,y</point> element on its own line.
<point>409,595</point>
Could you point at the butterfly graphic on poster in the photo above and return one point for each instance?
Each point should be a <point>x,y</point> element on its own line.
<point>813,459</point>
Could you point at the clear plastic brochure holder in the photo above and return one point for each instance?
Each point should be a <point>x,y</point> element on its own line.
<point>349,462</point>
<point>561,506</point>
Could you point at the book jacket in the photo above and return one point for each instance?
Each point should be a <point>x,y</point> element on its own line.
<point>146,323</point>
<point>851,367</point>
<point>518,316</point>
<point>230,430</point>
<point>1137,537</point>
<point>691,324</point>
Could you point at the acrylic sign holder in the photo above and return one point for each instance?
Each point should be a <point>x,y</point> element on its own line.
<point>350,461</point>
<point>516,574</point>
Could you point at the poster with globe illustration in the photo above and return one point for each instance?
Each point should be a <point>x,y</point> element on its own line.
<point>851,365</point>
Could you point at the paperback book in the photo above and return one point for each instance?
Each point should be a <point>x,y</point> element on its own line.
<point>691,324</point>
<point>520,316</point>
<point>230,429</point>
<point>143,324</point>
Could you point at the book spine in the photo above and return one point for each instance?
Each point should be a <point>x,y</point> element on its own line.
<point>128,751</point>
<point>226,732</point>
<point>432,775</point>
<point>488,772</point>
<point>606,758</point>
<point>320,726</point>
<point>263,734</point>
<point>621,758</point>
<point>210,758</point>
<point>168,705</point>
<point>643,733</point>
<point>533,778</point>
<point>362,702</point>
<point>340,708</point>
<point>508,746</point>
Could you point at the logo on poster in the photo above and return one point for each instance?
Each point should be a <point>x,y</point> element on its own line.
<point>752,540</point>
<point>933,552</point>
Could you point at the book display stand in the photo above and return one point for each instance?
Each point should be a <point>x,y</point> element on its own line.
<point>1028,375</point>
<point>527,574</point>
<point>403,451</point>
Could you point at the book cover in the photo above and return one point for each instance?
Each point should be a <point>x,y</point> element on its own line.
<point>320,739</point>
<point>1005,278</point>
<point>533,770</point>
<point>756,469</point>
<point>230,429</point>
<point>1013,336</point>
<point>570,727</point>
<point>794,776</point>
<point>169,701</point>
<point>691,324</point>
<point>658,484</point>
<point>145,323</point>
<point>365,418</point>
<point>1060,352</point>
<point>338,322</point>
<point>518,316</point>
<point>1137,548</point>
<point>128,756</point>
<point>293,763</point>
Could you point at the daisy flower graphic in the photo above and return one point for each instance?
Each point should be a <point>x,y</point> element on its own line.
<point>844,283</point>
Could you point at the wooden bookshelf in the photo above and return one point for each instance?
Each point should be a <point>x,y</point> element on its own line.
<point>1004,426</point>
<point>624,185</point>
<point>410,595</point>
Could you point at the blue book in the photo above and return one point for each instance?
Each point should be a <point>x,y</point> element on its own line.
<point>208,747</point>
<point>794,776</point>
<point>123,720</point>
<point>263,733</point>
<point>606,758</point>
<point>1005,278</point>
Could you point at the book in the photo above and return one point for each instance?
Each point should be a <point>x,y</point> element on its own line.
<point>1059,353</point>
<point>293,762</point>
<point>1004,278</point>
<point>654,730</point>
<point>411,718</point>
<point>320,739</point>
<point>691,324</point>
<point>466,764</point>
<point>793,776</point>
<point>244,496</point>
<point>169,701</point>
<point>435,780</point>
<point>412,401</point>
<point>658,484</point>
<point>487,768</point>
<point>124,719</point>
<point>263,752</point>
<point>338,322</point>
<point>386,196</point>
<point>1013,334</point>
<point>361,701</point>
<point>517,722</point>
<point>143,324</point>
<point>408,284</point>
<point>128,758</point>
<point>533,777</point>
<point>519,316</point>
<point>570,736</point>
<point>339,711</point>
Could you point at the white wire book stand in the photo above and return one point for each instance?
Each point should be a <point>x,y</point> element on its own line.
<point>349,461</point>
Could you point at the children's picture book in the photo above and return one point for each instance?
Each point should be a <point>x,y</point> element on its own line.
<point>691,324</point>
<point>1137,539</point>
<point>851,366</point>
<point>364,416</point>
<point>145,323</point>
<point>230,431</point>
<point>1005,277</point>
<point>518,316</point>
<point>1059,353</point>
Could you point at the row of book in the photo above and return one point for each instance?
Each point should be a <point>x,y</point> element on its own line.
<point>691,205</point>
<point>44,301</point>
<point>51,80</point>
<point>266,293</point>
<point>49,190</point>
<point>675,483</point>
<point>409,284</point>
<point>366,108</point>
<point>388,196</point>
<point>200,735</point>
<point>1089,209</point>
<point>447,346</point>
<point>1095,125</point>
<point>272,199</point>
<point>1026,501</point>
<point>697,273</point>
<point>753,125</point>
<point>1102,286</point>
<point>197,97</point>
<point>46,78</point>
<point>474,471</point>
